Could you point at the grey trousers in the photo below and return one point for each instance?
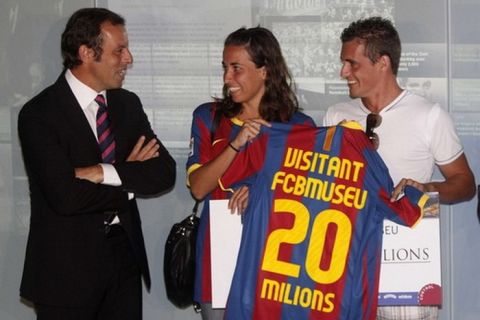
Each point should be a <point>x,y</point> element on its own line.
<point>208,313</point>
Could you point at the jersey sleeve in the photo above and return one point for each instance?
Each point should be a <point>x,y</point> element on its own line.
<point>406,211</point>
<point>246,164</point>
<point>200,139</point>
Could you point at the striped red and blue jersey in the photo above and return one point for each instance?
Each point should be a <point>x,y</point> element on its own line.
<point>203,148</point>
<point>312,232</point>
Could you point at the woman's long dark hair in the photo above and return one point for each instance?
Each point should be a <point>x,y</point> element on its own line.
<point>279,101</point>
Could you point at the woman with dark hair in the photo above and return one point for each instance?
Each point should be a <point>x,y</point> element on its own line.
<point>258,89</point>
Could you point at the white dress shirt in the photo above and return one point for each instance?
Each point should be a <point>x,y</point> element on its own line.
<point>86,98</point>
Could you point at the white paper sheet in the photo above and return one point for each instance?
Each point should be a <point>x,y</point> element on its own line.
<point>225,235</point>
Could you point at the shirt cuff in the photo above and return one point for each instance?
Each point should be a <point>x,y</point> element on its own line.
<point>110,175</point>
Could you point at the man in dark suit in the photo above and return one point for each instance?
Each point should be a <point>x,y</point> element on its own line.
<point>85,254</point>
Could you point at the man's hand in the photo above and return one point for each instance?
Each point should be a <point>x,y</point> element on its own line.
<point>239,200</point>
<point>408,182</point>
<point>139,152</point>
<point>459,183</point>
<point>142,152</point>
<point>93,173</point>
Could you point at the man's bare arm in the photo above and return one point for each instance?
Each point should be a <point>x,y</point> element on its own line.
<point>459,183</point>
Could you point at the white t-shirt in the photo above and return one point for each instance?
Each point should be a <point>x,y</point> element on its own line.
<point>415,134</point>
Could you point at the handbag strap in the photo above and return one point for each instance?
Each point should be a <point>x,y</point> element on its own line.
<point>195,207</point>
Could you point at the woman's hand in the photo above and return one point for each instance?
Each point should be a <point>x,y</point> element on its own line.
<point>239,200</point>
<point>250,129</point>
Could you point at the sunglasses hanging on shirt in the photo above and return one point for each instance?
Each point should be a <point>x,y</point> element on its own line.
<point>373,121</point>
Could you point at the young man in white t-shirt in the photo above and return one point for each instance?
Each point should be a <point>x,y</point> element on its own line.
<point>413,134</point>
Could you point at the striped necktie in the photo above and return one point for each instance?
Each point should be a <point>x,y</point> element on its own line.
<point>106,139</point>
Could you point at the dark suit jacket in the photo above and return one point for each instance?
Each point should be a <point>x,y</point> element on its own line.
<point>66,237</point>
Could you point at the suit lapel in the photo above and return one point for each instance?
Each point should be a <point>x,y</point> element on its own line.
<point>76,120</point>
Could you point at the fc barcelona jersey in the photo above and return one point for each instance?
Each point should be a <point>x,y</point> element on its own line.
<point>204,148</point>
<point>312,233</point>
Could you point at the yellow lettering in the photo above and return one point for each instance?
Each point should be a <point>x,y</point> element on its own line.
<point>282,292</point>
<point>270,289</point>
<point>290,157</point>
<point>327,187</point>
<point>300,183</point>
<point>278,178</point>
<point>307,155</point>
<point>317,300</point>
<point>339,191</point>
<point>313,188</point>
<point>359,204</point>
<point>297,294</point>
<point>289,180</point>
<point>345,168</point>
<point>324,164</point>
<point>286,299</point>
<point>302,296</point>
<point>323,159</point>
<point>295,235</point>
<point>339,251</point>
<point>357,166</point>
<point>348,196</point>
<point>328,301</point>
<point>306,298</point>
<point>334,167</point>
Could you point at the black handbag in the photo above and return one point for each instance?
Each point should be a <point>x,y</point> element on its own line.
<point>179,260</point>
<point>179,257</point>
